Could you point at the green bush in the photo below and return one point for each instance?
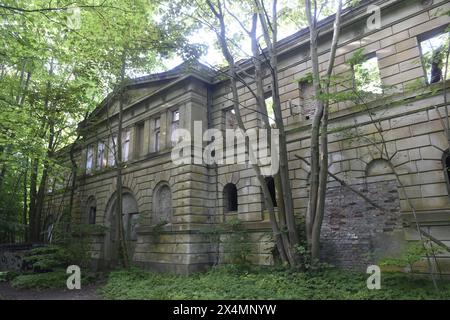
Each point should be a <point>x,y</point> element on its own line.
<point>6,276</point>
<point>46,280</point>
<point>66,249</point>
<point>415,252</point>
<point>266,283</point>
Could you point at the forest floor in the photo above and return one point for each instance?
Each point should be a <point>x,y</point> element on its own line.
<point>85,293</point>
<point>223,283</point>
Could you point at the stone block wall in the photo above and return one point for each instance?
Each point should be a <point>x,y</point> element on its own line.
<point>408,132</point>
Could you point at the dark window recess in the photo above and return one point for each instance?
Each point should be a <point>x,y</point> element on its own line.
<point>92,214</point>
<point>140,139</point>
<point>271,185</point>
<point>230,198</point>
<point>446,166</point>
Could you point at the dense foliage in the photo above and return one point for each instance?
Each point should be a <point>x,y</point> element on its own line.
<point>47,280</point>
<point>57,62</point>
<point>229,283</point>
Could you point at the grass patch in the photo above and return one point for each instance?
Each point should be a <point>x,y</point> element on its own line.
<point>47,280</point>
<point>225,283</point>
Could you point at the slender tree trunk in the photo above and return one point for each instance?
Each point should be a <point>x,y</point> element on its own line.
<point>74,176</point>
<point>33,195</point>
<point>319,131</point>
<point>43,186</point>
<point>284,186</point>
<point>119,214</point>
<point>25,201</point>
<point>39,197</point>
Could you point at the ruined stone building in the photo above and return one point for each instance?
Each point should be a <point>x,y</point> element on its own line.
<point>167,207</point>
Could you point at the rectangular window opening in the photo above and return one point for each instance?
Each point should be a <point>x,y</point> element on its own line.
<point>140,139</point>
<point>90,159</point>
<point>433,51</point>
<point>367,76</point>
<point>156,134</point>
<point>112,151</point>
<point>175,125</point>
<point>270,110</point>
<point>125,145</point>
<point>101,159</point>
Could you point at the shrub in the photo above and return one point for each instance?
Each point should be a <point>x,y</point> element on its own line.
<point>46,280</point>
<point>266,283</point>
<point>66,249</point>
<point>55,279</point>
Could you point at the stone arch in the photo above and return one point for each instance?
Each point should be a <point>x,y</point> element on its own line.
<point>379,169</point>
<point>130,219</point>
<point>355,233</point>
<point>231,178</point>
<point>162,203</point>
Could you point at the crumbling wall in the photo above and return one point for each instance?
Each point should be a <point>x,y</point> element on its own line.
<point>353,230</point>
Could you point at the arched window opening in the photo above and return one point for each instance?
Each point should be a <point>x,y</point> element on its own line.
<point>162,204</point>
<point>230,198</point>
<point>271,186</point>
<point>91,211</point>
<point>92,214</point>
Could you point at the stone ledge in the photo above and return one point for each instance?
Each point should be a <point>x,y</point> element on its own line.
<point>184,269</point>
<point>428,216</point>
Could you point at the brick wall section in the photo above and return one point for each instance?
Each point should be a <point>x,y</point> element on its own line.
<point>351,225</point>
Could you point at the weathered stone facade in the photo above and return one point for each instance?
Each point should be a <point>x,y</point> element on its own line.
<point>190,197</point>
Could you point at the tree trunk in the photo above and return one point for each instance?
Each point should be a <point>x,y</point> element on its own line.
<point>319,132</point>
<point>33,195</point>
<point>119,214</point>
<point>25,200</point>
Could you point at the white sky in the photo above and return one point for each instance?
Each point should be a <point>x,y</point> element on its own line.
<point>207,37</point>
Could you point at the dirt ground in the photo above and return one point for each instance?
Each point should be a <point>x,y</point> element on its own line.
<point>85,293</point>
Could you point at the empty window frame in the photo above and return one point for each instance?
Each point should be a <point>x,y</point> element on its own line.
<point>90,158</point>
<point>101,157</point>
<point>230,198</point>
<point>271,186</point>
<point>125,145</point>
<point>270,111</point>
<point>367,76</point>
<point>175,124</point>
<point>446,167</point>
<point>156,134</point>
<point>92,214</point>
<point>140,130</point>
<point>307,107</point>
<point>230,119</point>
<point>433,48</point>
<point>112,151</point>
